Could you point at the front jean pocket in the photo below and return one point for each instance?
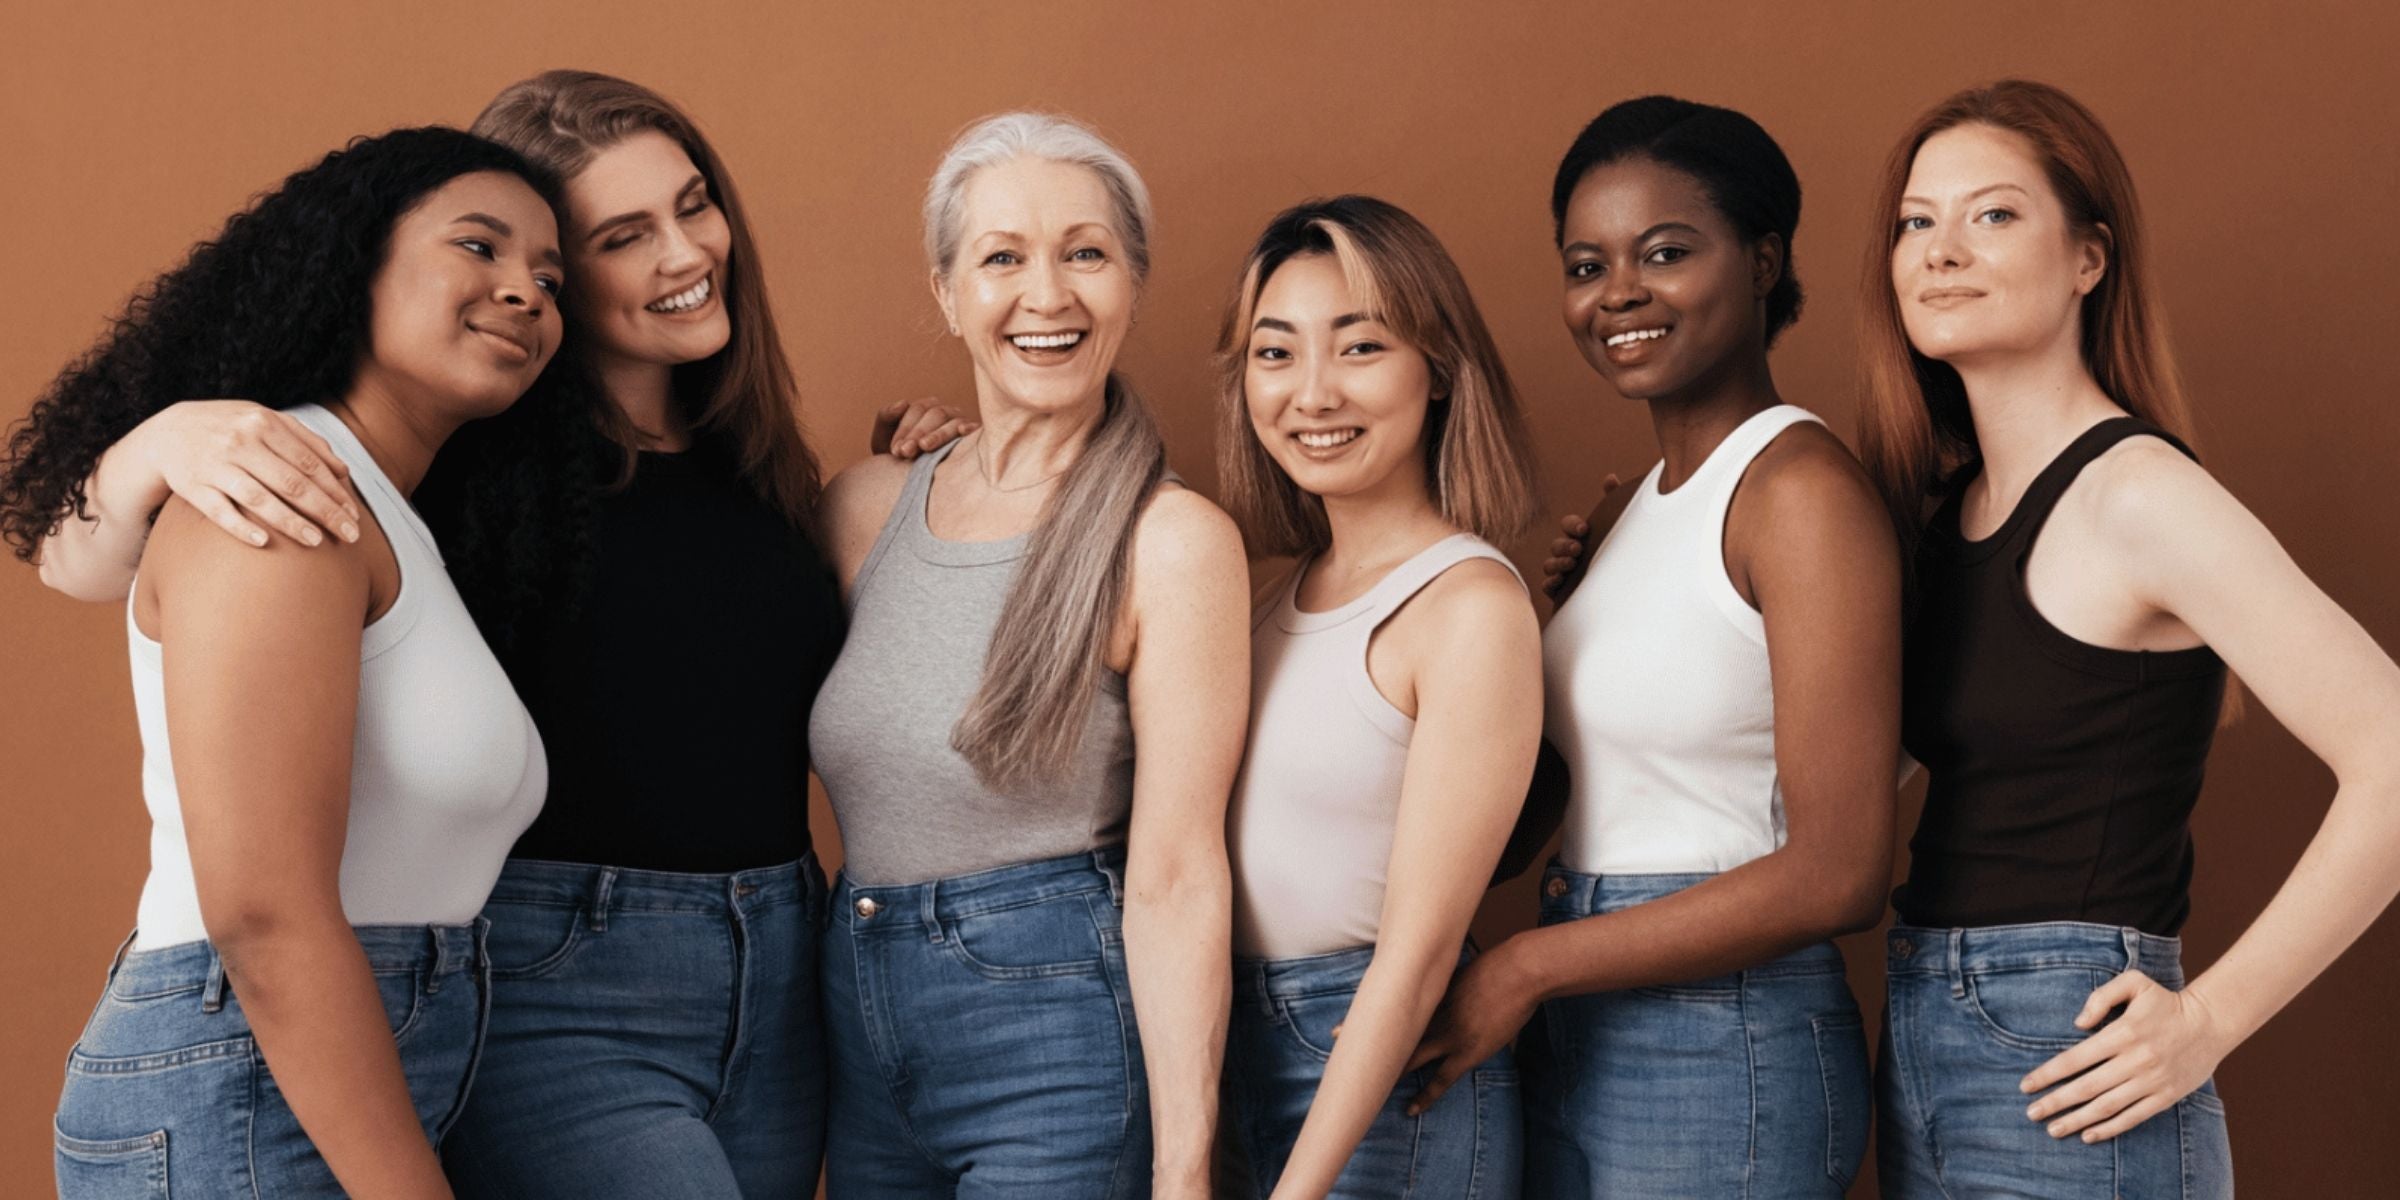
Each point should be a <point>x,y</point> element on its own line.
<point>1041,939</point>
<point>528,941</point>
<point>118,1169</point>
<point>1842,1064</point>
<point>2033,1008</point>
<point>1310,1020</point>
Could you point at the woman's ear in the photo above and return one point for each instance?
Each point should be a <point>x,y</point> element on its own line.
<point>2092,265</point>
<point>1766,264</point>
<point>941,300</point>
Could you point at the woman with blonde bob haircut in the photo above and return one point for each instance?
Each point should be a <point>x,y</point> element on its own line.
<point>1025,975</point>
<point>2081,590</point>
<point>1367,424</point>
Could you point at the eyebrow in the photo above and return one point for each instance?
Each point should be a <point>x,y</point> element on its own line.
<point>498,226</point>
<point>629,218</point>
<point>1989,187</point>
<point>1643,236</point>
<point>1280,325</point>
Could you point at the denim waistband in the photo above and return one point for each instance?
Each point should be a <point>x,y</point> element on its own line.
<point>1263,980</point>
<point>1569,895</point>
<point>903,905</point>
<point>1914,950</point>
<point>433,951</point>
<point>600,890</point>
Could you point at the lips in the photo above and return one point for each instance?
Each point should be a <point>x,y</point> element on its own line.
<point>1944,297</point>
<point>522,344</point>
<point>1052,342</point>
<point>1635,346</point>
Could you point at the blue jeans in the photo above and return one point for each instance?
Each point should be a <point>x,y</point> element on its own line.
<point>653,1034</point>
<point>167,1086</point>
<point>1970,1012</point>
<point>982,1036</point>
<point>1469,1144</point>
<point>1752,1084</point>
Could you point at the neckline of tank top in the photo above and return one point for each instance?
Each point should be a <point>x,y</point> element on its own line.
<point>362,464</point>
<point>1716,457</point>
<point>1291,618</point>
<point>932,547</point>
<point>2069,462</point>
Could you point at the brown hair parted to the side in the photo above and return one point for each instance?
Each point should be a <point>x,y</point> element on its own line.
<point>1476,458</point>
<point>744,393</point>
<point>1914,429</point>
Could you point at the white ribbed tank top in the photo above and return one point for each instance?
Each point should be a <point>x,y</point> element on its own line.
<point>446,768</point>
<point>1656,688</point>
<point>1319,791</point>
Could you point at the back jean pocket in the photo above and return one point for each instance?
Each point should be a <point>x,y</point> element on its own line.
<point>2033,1008</point>
<point>1041,939</point>
<point>119,1169</point>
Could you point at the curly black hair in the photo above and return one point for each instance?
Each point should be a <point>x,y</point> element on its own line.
<point>276,309</point>
<point>1740,167</point>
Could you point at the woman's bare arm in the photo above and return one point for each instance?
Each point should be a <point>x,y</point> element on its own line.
<point>262,670</point>
<point>1188,687</point>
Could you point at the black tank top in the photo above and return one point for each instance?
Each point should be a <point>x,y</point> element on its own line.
<point>674,702</point>
<point>2063,773</point>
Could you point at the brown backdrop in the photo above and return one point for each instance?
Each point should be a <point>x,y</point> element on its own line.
<point>2265,140</point>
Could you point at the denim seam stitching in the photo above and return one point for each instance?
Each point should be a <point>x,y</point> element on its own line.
<point>729,1070</point>
<point>81,1062</point>
<point>1750,1061</point>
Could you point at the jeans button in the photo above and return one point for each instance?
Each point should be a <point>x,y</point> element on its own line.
<point>866,907</point>
<point>1555,888</point>
<point>1903,948</point>
<point>743,891</point>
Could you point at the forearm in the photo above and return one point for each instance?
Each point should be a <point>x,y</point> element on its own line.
<point>312,1004</point>
<point>1758,911</point>
<point>1394,1003</point>
<point>93,557</point>
<point>2344,880</point>
<point>1179,955</point>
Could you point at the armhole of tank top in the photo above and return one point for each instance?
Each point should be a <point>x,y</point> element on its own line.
<point>2114,662</point>
<point>1722,594</point>
<point>1372,704</point>
<point>910,502</point>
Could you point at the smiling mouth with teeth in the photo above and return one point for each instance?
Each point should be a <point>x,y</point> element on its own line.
<point>1638,335</point>
<point>1046,341</point>
<point>1325,439</point>
<point>685,300</point>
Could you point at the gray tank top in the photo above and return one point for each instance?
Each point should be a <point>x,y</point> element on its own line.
<point>921,617</point>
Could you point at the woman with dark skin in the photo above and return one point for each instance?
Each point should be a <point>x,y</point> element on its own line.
<point>1674,228</point>
<point>334,763</point>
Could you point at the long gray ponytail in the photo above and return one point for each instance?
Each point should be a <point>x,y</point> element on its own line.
<point>1050,648</point>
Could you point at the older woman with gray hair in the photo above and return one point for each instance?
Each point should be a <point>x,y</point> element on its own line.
<point>1027,605</point>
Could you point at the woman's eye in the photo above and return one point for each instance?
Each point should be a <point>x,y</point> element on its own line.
<point>696,209</point>
<point>1000,258</point>
<point>620,242</point>
<point>548,284</point>
<point>1997,216</point>
<point>1088,254</point>
<point>1273,353</point>
<point>1583,270</point>
<point>476,246</point>
<point>1667,254</point>
<point>1913,224</point>
<point>1362,348</point>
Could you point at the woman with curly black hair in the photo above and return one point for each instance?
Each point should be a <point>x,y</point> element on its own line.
<point>334,763</point>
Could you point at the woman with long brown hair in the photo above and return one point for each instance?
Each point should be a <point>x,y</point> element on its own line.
<point>654,1028</point>
<point>2081,590</point>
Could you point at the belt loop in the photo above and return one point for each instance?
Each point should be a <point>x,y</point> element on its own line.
<point>929,909</point>
<point>441,958</point>
<point>1958,968</point>
<point>597,919</point>
<point>118,959</point>
<point>1115,874</point>
<point>483,932</point>
<point>212,996</point>
<point>2133,948</point>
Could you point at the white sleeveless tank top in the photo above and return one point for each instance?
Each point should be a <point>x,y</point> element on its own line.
<point>1656,688</point>
<point>1319,791</point>
<point>446,768</point>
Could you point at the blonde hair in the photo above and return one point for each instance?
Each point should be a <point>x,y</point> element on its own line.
<point>1050,647</point>
<point>1476,460</point>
